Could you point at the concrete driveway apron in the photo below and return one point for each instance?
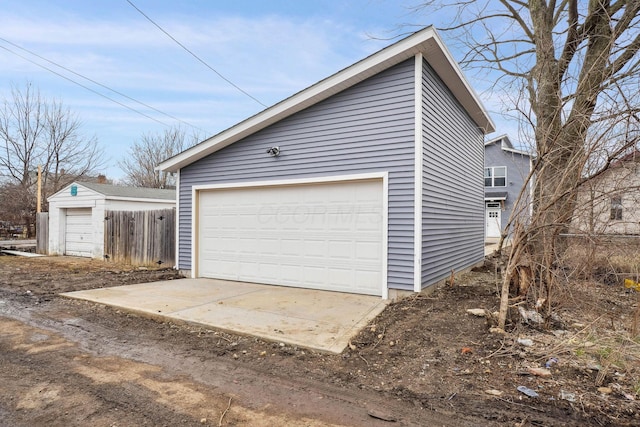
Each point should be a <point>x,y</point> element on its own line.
<point>319,320</point>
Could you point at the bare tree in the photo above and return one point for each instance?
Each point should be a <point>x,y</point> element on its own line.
<point>36,132</point>
<point>150,151</point>
<point>21,127</point>
<point>574,68</point>
<point>68,154</point>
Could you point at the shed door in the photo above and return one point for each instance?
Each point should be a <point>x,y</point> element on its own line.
<point>78,232</point>
<point>323,236</point>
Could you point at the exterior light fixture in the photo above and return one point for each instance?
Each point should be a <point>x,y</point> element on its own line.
<point>274,151</point>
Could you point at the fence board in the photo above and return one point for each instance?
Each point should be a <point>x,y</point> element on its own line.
<point>140,237</point>
<point>42,233</point>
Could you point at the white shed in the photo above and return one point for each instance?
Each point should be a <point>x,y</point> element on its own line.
<point>77,214</point>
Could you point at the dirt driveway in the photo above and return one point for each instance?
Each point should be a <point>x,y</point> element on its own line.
<point>424,361</point>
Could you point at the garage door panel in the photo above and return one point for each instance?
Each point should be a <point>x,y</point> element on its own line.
<point>269,271</point>
<point>291,247</point>
<point>367,251</point>
<point>325,236</point>
<point>290,271</point>
<point>227,269</point>
<point>341,275</point>
<point>340,249</point>
<point>314,248</point>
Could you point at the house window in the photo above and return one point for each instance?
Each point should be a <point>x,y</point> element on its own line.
<point>495,176</point>
<point>616,208</point>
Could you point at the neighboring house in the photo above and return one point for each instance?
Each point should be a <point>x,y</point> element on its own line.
<point>608,203</point>
<point>505,174</point>
<point>366,182</point>
<point>77,214</point>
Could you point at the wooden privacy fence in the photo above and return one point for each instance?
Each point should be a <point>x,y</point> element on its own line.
<point>42,233</point>
<point>140,237</point>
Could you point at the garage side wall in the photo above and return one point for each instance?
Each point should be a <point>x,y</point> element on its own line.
<point>452,183</point>
<point>366,128</point>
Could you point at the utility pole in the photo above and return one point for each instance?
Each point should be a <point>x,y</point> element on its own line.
<point>39,192</point>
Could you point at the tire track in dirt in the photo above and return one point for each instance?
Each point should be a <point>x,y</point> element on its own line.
<point>127,363</point>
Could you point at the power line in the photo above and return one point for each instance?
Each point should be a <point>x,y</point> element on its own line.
<point>93,81</point>
<point>193,54</point>
<point>85,87</point>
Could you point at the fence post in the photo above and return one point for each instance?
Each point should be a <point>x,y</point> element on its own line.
<point>42,233</point>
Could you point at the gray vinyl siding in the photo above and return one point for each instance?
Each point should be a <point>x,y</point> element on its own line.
<point>518,166</point>
<point>366,128</point>
<point>452,183</point>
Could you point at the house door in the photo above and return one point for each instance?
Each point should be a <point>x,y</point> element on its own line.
<point>493,218</point>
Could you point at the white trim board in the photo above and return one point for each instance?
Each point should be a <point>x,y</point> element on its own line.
<point>417,198</point>
<point>177,224</point>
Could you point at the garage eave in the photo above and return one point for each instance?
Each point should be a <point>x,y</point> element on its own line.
<point>426,42</point>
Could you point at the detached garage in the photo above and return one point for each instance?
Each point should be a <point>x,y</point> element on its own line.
<point>369,181</point>
<point>77,214</point>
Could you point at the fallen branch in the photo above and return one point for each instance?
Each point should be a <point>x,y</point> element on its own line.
<point>365,360</point>
<point>224,413</point>
<point>225,338</point>
<point>497,351</point>
<point>380,339</point>
<point>519,404</point>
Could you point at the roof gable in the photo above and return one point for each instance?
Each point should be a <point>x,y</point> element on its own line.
<point>426,42</point>
<point>505,145</point>
<point>502,139</point>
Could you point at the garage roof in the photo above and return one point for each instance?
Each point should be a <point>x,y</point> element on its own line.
<point>426,42</point>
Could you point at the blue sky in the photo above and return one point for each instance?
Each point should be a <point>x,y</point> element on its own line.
<point>271,49</point>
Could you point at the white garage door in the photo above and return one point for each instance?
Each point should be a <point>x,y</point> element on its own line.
<point>78,234</point>
<point>321,236</point>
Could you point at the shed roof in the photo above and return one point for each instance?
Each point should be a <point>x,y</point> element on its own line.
<point>120,192</point>
<point>130,192</point>
<point>426,42</point>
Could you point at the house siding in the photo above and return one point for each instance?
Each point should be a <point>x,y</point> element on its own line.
<point>452,183</point>
<point>363,129</point>
<point>518,166</point>
<point>593,210</point>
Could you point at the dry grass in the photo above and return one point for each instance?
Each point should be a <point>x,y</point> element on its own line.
<point>598,331</point>
<point>605,259</point>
